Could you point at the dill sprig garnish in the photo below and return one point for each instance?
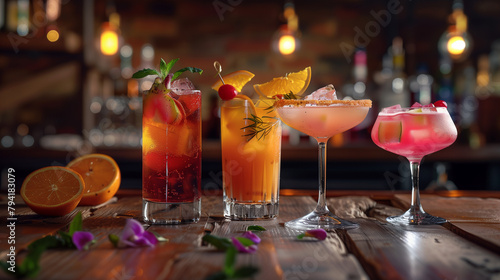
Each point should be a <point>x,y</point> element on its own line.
<point>290,96</point>
<point>259,128</point>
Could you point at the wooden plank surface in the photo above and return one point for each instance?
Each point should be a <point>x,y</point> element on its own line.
<point>474,218</point>
<point>289,257</point>
<point>419,252</point>
<point>376,250</point>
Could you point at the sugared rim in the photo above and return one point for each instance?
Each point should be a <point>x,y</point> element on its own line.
<point>299,103</point>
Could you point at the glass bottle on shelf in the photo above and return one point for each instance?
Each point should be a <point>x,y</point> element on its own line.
<point>395,90</point>
<point>421,86</point>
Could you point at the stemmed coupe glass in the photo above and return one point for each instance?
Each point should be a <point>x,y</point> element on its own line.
<point>322,119</point>
<point>413,133</point>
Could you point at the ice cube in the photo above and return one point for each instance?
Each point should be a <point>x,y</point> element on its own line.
<point>429,108</point>
<point>182,86</point>
<point>391,109</point>
<point>416,105</point>
<point>325,93</point>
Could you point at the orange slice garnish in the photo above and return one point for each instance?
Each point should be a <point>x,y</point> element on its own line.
<point>237,79</point>
<point>250,102</point>
<point>296,83</point>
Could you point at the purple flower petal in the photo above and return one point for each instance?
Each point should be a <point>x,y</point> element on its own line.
<point>81,239</point>
<point>134,235</point>
<point>132,227</point>
<point>152,240</point>
<point>142,242</point>
<point>241,248</point>
<point>316,233</point>
<point>252,236</point>
<point>123,243</point>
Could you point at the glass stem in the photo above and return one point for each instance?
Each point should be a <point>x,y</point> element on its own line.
<point>415,189</point>
<point>321,207</point>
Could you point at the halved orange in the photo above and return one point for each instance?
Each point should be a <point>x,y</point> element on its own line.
<point>237,79</point>
<point>101,176</point>
<point>53,190</point>
<point>296,83</point>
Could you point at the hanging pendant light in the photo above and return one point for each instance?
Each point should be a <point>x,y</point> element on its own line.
<point>110,35</point>
<point>456,42</point>
<point>286,40</point>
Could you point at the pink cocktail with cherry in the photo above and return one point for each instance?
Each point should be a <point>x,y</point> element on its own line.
<point>413,133</point>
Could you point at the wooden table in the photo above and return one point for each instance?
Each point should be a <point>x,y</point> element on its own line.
<point>467,247</point>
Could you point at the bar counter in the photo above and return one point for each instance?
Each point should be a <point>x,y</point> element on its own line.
<point>466,247</point>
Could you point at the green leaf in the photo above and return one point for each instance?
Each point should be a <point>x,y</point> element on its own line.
<point>66,239</point>
<point>300,236</point>
<point>113,238</point>
<point>245,241</point>
<point>219,242</point>
<point>245,272</point>
<point>256,228</point>
<point>145,72</point>
<point>190,69</point>
<point>163,69</point>
<point>76,224</point>
<point>290,96</point>
<point>30,265</point>
<point>230,261</point>
<point>167,67</point>
<point>87,246</point>
<point>159,237</point>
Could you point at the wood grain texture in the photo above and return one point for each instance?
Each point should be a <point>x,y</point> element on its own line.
<point>290,258</point>
<point>476,219</point>
<point>419,252</point>
<point>465,248</point>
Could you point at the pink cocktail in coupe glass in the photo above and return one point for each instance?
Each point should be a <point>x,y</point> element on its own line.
<point>322,117</point>
<point>413,133</point>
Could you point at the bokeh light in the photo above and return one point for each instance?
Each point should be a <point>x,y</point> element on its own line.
<point>286,44</point>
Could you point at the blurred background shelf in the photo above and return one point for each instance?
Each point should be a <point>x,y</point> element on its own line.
<point>361,166</point>
<point>69,87</point>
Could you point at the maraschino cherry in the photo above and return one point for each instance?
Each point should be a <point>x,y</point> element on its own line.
<point>226,91</point>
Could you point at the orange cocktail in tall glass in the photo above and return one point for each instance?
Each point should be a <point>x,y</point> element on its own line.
<point>251,142</point>
<point>251,165</point>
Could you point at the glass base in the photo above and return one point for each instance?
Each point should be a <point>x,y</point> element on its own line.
<point>160,213</point>
<point>250,211</point>
<point>315,220</point>
<point>412,217</point>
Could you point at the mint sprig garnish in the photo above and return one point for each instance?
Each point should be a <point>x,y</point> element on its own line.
<point>165,69</point>
<point>190,69</point>
<point>145,72</point>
